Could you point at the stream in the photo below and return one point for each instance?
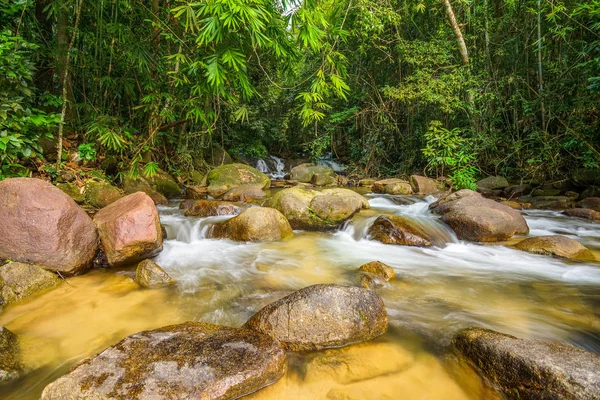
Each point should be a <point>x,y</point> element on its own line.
<point>437,291</point>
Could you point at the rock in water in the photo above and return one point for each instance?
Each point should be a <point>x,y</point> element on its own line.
<point>531,369</point>
<point>10,356</point>
<point>423,185</point>
<point>583,213</point>
<point>379,269</point>
<point>18,281</point>
<point>43,226</point>
<point>477,219</point>
<point>557,245</point>
<point>245,193</point>
<point>318,175</point>
<point>397,230</point>
<point>392,186</point>
<point>323,316</point>
<point>150,275</point>
<point>211,208</point>
<point>256,224</point>
<point>129,229</point>
<point>186,361</point>
<point>221,179</point>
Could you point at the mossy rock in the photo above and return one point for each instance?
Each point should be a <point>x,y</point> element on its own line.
<point>139,184</point>
<point>256,224</point>
<point>19,281</point>
<point>148,274</point>
<point>100,194</point>
<point>221,179</point>
<point>318,175</point>
<point>165,184</point>
<point>10,356</point>
<point>73,191</point>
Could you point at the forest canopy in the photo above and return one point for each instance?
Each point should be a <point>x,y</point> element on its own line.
<point>462,88</point>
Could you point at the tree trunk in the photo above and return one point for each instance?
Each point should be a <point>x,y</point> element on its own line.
<point>540,69</point>
<point>460,40</point>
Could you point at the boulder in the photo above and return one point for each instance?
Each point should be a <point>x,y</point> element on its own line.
<point>148,274</point>
<point>492,183</point>
<point>517,190</point>
<point>19,281</point>
<point>593,203</point>
<point>551,202</point>
<point>186,204</point>
<point>312,210</point>
<point>557,245</point>
<point>583,213</point>
<point>187,361</point>
<point>379,269</point>
<point>319,175</point>
<point>482,220</point>
<point>139,184</point>
<point>73,191</point>
<point>100,194</point>
<point>545,191</point>
<point>368,182</point>
<point>459,194</point>
<point>216,156</point>
<point>322,316</point>
<point>397,230</point>
<point>223,178</point>
<point>212,208</point>
<point>592,191</point>
<point>245,193</point>
<point>41,225</point>
<point>129,229</point>
<point>196,192</point>
<point>256,224</point>
<point>10,356</point>
<point>165,184</point>
<point>392,186</point>
<point>423,185</point>
<point>531,369</point>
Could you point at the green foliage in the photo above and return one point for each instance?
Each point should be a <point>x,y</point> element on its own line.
<point>447,151</point>
<point>87,152</point>
<point>150,169</point>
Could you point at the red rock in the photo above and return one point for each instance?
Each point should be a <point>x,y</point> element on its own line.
<point>42,225</point>
<point>129,229</point>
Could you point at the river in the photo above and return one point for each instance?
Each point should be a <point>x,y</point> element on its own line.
<point>437,291</point>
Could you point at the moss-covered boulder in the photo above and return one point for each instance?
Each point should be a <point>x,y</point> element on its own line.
<point>256,224</point>
<point>221,179</point>
<point>139,184</point>
<point>212,208</point>
<point>313,210</point>
<point>398,230</point>
<point>492,183</point>
<point>99,194</point>
<point>557,245</point>
<point>149,274</point>
<point>73,191</point>
<point>318,175</point>
<point>531,369</point>
<point>378,269</point>
<point>392,186</point>
<point>245,193</point>
<point>186,361</point>
<point>322,316</point>
<point>19,281</point>
<point>165,184</point>
<point>10,356</point>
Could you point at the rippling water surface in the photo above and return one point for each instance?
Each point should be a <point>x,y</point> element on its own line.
<point>437,291</point>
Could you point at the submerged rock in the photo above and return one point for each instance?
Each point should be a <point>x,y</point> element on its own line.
<point>129,229</point>
<point>211,208</point>
<point>150,275</point>
<point>100,194</point>
<point>531,369</point>
<point>223,178</point>
<point>477,219</point>
<point>322,316</point>
<point>256,224</point>
<point>19,281</point>
<point>392,186</point>
<point>378,269</point>
<point>309,209</point>
<point>41,225</point>
<point>139,184</point>
<point>423,185</point>
<point>397,230</point>
<point>186,361</point>
<point>245,193</point>
<point>557,245</point>
<point>10,356</point>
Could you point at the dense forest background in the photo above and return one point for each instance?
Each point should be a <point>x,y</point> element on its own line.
<point>464,88</point>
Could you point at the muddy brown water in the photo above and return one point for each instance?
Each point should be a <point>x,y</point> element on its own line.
<point>437,292</point>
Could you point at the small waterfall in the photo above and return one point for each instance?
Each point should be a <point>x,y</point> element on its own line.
<point>189,230</point>
<point>279,164</point>
<point>328,161</point>
<point>262,166</point>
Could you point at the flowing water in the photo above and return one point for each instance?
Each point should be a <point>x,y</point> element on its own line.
<point>437,291</point>
<point>274,167</point>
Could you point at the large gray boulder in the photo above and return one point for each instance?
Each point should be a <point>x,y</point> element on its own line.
<point>256,224</point>
<point>186,361</point>
<point>19,281</point>
<point>392,186</point>
<point>398,230</point>
<point>41,225</point>
<point>10,356</point>
<point>475,218</point>
<point>322,316</point>
<point>225,177</point>
<point>556,245</point>
<point>531,369</point>
<point>318,175</point>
